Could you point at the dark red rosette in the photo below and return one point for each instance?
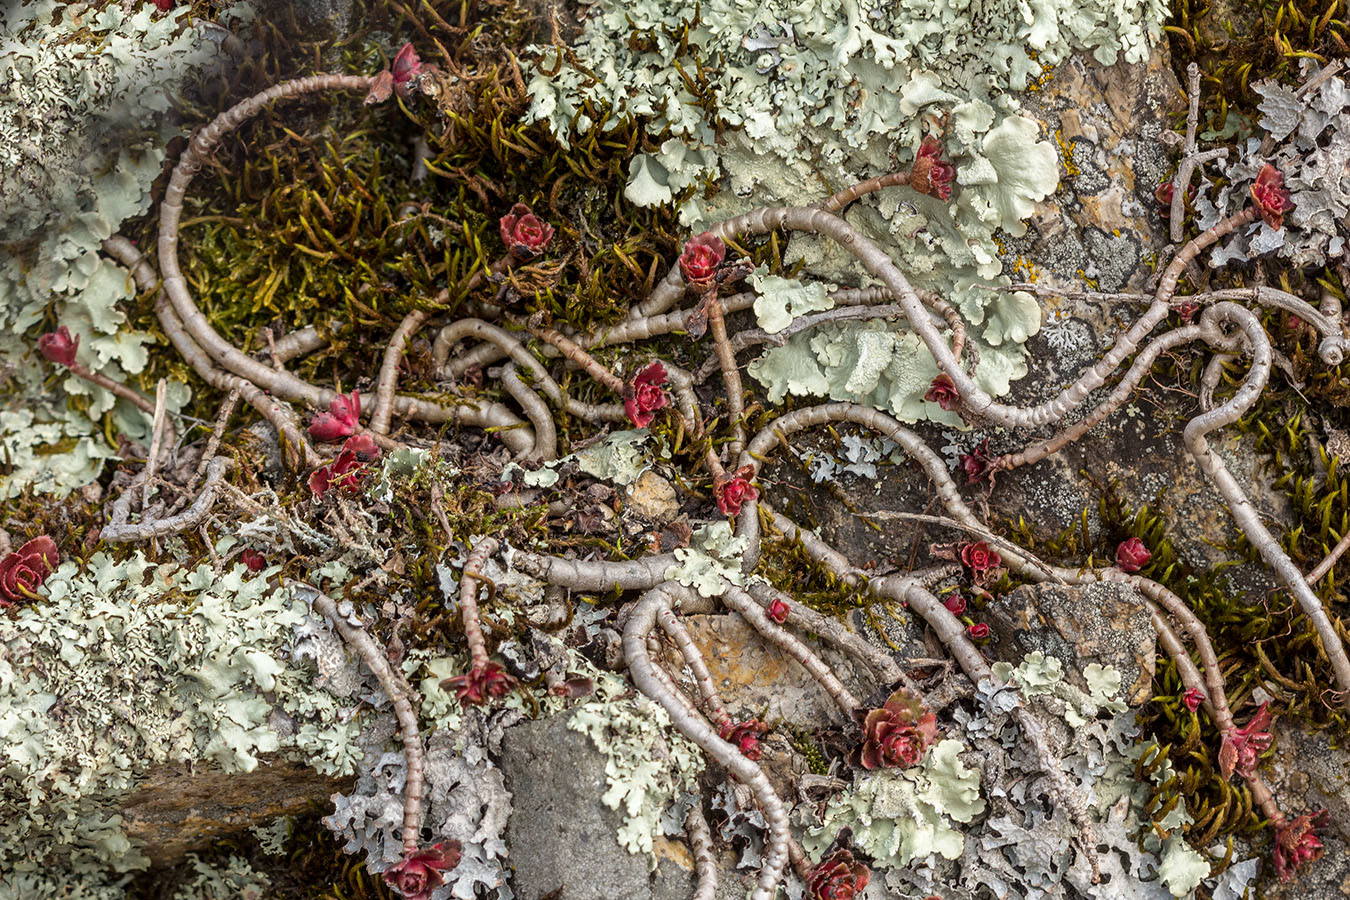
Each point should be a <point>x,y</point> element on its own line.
<point>1242,746</point>
<point>980,558</point>
<point>898,733</point>
<point>417,875</point>
<point>24,570</point>
<point>943,392</point>
<point>745,735</point>
<point>931,174</point>
<point>733,490</point>
<point>253,560</point>
<point>59,347</point>
<point>524,234</point>
<point>1271,196</point>
<point>1296,845</point>
<point>702,256</point>
<point>644,395</point>
<point>342,419</point>
<point>480,684</point>
<point>1132,555</point>
<point>838,877</point>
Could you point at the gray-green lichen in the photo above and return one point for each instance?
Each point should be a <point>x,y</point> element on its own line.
<point>790,95</point>
<point>943,824</point>
<point>84,97</point>
<point>898,816</point>
<point>124,666</point>
<point>712,559</point>
<point>648,765</point>
<point>233,878</point>
<point>1310,133</point>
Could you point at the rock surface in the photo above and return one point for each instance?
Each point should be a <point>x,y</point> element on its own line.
<point>1107,624</point>
<point>562,837</point>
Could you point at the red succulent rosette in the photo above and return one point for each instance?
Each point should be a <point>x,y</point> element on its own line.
<point>480,684</point>
<point>1186,310</point>
<point>931,174</point>
<point>838,877</point>
<point>956,604</point>
<point>341,420</point>
<point>978,464</point>
<point>405,67</point>
<point>253,560</point>
<point>745,735</point>
<point>24,570</point>
<point>1241,747</point>
<point>399,78</point>
<point>1296,845</point>
<point>59,347</point>
<point>702,256</point>
<point>1132,555</point>
<point>778,610</point>
<point>1192,698</point>
<point>524,234</point>
<point>978,631</point>
<point>417,875</point>
<point>980,559</point>
<point>644,395</point>
<point>898,733</point>
<point>1271,196</point>
<point>943,392</point>
<point>733,490</point>
<point>348,469</point>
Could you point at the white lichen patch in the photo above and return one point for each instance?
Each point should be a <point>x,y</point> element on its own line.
<point>943,824</point>
<point>123,666</point>
<point>790,95</point>
<point>1311,136</point>
<point>83,125</point>
<point>712,558</point>
<point>233,878</point>
<point>899,816</point>
<point>648,765</point>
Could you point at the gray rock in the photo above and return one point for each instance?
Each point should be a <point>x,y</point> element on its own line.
<point>562,838</point>
<point>1326,879</point>
<point>1106,624</point>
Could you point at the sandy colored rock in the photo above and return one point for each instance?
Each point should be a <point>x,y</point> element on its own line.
<point>653,498</point>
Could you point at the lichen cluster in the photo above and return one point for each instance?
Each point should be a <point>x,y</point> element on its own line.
<point>83,130</point>
<point>133,665</point>
<point>761,102</point>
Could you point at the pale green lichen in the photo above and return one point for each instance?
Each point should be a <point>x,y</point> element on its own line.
<point>712,559</point>
<point>83,125</point>
<point>648,765</point>
<point>233,878</point>
<point>619,459</point>
<point>779,301</point>
<point>124,666</point>
<point>898,816</point>
<point>767,100</point>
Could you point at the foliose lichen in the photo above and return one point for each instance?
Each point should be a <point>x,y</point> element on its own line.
<point>761,102</point>
<point>1310,133</point>
<point>940,824</point>
<point>124,666</point>
<point>648,765</point>
<point>83,127</point>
